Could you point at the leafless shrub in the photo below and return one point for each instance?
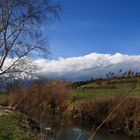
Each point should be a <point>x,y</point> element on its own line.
<point>52,97</point>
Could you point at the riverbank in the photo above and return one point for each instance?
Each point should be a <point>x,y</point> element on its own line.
<point>11,127</point>
<point>123,119</point>
<point>115,109</point>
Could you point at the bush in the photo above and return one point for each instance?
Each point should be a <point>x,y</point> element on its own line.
<point>127,117</point>
<point>41,99</point>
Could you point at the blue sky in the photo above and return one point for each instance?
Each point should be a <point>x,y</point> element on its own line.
<point>101,26</point>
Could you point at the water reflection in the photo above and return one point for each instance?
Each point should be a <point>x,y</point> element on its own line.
<point>72,130</point>
<point>72,134</point>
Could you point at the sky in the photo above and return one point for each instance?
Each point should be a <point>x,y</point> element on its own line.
<point>101,26</point>
<point>92,38</point>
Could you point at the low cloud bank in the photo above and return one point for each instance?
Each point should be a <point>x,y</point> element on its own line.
<point>84,67</point>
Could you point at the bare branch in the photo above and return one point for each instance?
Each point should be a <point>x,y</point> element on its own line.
<point>13,64</point>
<point>20,28</point>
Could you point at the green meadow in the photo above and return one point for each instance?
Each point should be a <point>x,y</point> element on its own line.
<point>89,90</point>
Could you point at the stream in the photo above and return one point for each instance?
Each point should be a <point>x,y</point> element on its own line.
<point>70,131</point>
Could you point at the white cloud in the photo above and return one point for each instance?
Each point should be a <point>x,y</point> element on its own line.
<point>84,67</point>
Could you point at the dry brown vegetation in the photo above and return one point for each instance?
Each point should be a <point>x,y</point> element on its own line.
<point>40,99</point>
<point>46,102</point>
<point>124,119</point>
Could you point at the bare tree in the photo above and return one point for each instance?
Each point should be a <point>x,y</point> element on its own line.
<point>21,24</point>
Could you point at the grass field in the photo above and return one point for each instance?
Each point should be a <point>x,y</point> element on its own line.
<point>119,88</point>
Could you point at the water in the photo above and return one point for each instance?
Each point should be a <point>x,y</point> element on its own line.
<point>73,133</point>
<point>72,130</point>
